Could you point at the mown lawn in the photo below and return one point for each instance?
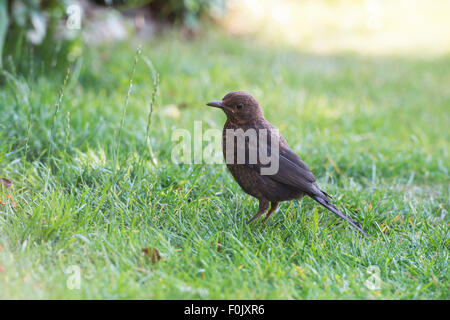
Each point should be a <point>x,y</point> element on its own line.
<point>373,129</point>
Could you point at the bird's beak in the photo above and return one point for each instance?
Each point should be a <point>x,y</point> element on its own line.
<point>217,104</point>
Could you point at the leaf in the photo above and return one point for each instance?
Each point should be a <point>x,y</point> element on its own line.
<point>12,203</point>
<point>219,242</point>
<point>219,246</point>
<point>152,253</point>
<point>3,26</point>
<point>6,182</point>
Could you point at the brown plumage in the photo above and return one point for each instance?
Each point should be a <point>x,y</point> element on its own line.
<point>293,179</point>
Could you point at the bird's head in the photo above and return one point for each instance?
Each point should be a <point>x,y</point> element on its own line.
<point>239,106</point>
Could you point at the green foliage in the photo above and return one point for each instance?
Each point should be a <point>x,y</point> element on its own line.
<point>4,20</point>
<point>186,12</point>
<point>35,38</point>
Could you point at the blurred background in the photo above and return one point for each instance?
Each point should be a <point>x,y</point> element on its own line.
<point>363,26</point>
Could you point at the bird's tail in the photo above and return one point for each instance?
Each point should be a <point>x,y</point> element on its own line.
<point>326,203</point>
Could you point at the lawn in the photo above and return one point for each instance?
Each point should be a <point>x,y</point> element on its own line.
<point>96,193</point>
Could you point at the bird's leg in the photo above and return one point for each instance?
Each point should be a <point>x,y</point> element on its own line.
<point>273,207</point>
<point>263,206</point>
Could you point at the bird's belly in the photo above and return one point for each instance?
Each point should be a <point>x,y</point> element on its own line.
<point>246,178</point>
<point>262,187</point>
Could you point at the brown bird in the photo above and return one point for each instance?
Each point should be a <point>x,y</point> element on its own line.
<point>292,179</point>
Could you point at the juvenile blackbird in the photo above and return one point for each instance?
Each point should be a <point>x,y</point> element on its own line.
<point>292,180</point>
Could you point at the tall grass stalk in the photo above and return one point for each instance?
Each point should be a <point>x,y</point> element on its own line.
<point>151,103</point>
<point>55,114</point>
<point>127,99</point>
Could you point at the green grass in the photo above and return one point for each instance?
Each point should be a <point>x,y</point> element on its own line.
<point>373,129</point>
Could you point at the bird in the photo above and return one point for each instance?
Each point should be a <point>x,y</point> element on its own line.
<point>291,181</point>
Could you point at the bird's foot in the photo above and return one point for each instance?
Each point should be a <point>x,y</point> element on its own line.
<point>263,206</point>
<point>255,217</point>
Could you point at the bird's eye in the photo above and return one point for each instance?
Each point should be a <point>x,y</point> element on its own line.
<point>239,106</point>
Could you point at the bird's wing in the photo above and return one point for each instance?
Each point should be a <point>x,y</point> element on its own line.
<point>291,170</point>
